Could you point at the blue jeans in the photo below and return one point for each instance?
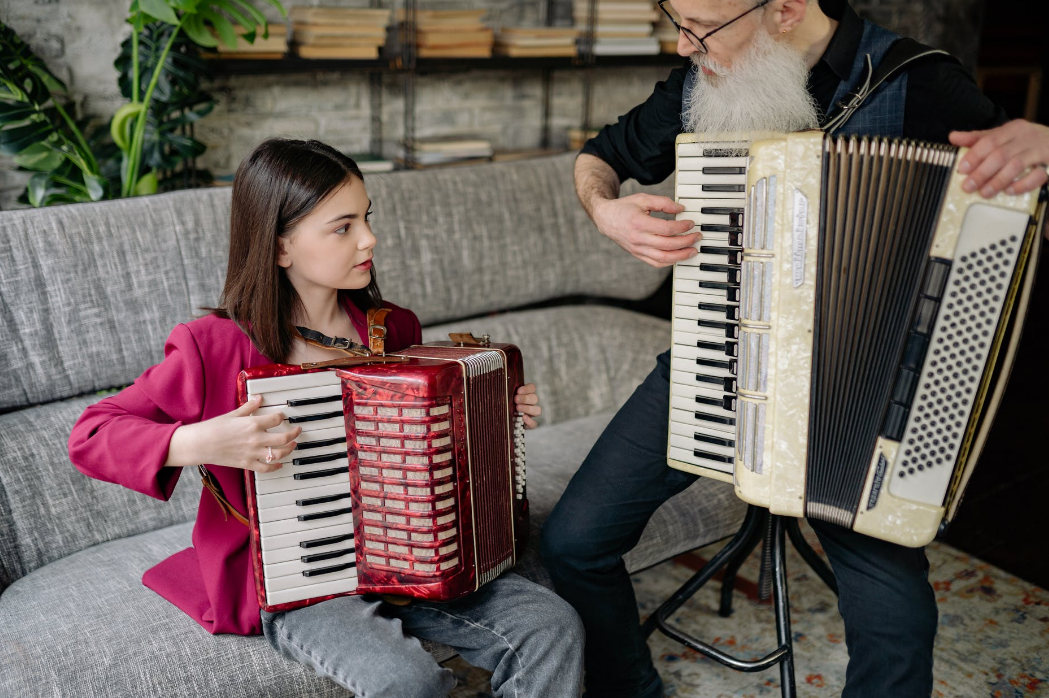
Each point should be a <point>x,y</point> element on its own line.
<point>529,638</point>
<point>885,597</point>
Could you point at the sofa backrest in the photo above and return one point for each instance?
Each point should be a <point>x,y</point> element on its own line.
<point>89,292</point>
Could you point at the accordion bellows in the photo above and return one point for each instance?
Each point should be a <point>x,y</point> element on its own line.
<point>878,308</point>
<point>407,479</point>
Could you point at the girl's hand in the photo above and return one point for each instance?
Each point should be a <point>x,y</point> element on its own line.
<point>237,439</point>
<point>527,403</point>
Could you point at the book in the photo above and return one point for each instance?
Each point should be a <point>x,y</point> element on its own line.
<point>514,51</point>
<point>540,32</point>
<point>359,52</point>
<point>448,17</point>
<point>438,39</point>
<point>481,51</point>
<point>339,15</point>
<point>334,41</point>
<point>304,33</point>
<point>452,144</point>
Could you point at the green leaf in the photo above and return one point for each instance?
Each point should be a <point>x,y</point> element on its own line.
<point>193,25</point>
<point>96,186</point>
<point>159,9</point>
<point>222,27</point>
<point>39,157</point>
<point>123,122</point>
<point>14,140</point>
<point>37,188</point>
<point>147,184</point>
<point>251,10</point>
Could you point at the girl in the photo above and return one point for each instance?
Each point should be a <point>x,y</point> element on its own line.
<point>300,254</point>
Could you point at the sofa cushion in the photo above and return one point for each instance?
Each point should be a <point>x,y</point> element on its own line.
<point>85,626</point>
<point>90,291</point>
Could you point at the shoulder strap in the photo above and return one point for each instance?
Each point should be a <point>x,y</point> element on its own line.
<point>900,55</point>
<point>212,485</point>
<point>377,330</point>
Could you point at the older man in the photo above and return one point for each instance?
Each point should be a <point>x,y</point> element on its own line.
<point>756,65</point>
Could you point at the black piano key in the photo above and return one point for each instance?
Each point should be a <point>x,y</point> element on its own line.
<point>320,473</point>
<point>725,383</point>
<point>303,401</point>
<point>330,540</point>
<point>321,500</point>
<point>730,348</point>
<point>713,456</point>
<point>715,228</point>
<point>914,353</point>
<point>936,277</point>
<point>716,440</point>
<point>731,311</point>
<point>721,211</point>
<point>715,418</point>
<point>732,255</point>
<point>309,445</point>
<point>725,188</point>
<point>724,170</point>
<point>313,417</point>
<point>320,557</point>
<point>906,384</point>
<point>732,274</point>
<point>324,514</point>
<point>328,570</point>
<point>731,328</point>
<point>926,316</point>
<point>729,365</point>
<point>322,458</point>
<point>728,402</point>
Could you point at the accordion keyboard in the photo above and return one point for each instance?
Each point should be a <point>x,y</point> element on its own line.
<point>305,527</point>
<point>711,185</point>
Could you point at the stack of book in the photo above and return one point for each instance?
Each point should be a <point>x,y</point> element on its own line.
<point>339,32</point>
<point>451,34</point>
<point>444,151</point>
<point>272,46</point>
<point>522,42</point>
<point>621,27</point>
<point>666,33</point>
<point>577,137</point>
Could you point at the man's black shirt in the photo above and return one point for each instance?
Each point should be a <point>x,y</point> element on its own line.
<point>941,97</point>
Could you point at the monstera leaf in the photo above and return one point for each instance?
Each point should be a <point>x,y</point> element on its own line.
<point>38,131</point>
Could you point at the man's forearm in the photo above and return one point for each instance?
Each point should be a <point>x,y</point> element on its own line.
<point>595,180</point>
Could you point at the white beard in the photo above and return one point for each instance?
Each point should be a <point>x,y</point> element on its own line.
<point>764,91</point>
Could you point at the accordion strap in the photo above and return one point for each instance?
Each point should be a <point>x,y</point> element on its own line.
<point>212,485</point>
<point>900,55</point>
<point>377,330</point>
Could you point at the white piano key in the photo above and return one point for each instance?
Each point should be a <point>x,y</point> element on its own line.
<point>724,384</point>
<point>284,484</point>
<point>291,510</point>
<point>702,296</point>
<point>693,312</point>
<point>281,397</point>
<point>703,219</point>
<point>688,443</point>
<point>290,471</point>
<point>319,588</point>
<point>688,162</point>
<point>688,456</point>
<point>317,425</point>
<point>295,382</point>
<point>691,339</point>
<point>693,434</point>
<point>303,410</point>
<point>695,191</point>
<point>289,540</point>
<point>301,452</point>
<point>727,426</point>
<point>292,581</point>
<point>731,276</point>
<point>307,437</point>
<point>707,258</point>
<point>700,177</point>
<point>296,566</point>
<point>294,552</point>
<point>690,366</point>
<point>690,391</point>
<point>285,526</point>
<point>283,499</point>
<point>729,292</point>
<point>695,352</point>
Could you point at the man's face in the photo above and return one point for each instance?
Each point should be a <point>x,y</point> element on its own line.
<point>704,16</point>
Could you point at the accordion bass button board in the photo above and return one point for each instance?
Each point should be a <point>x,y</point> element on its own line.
<point>407,479</point>
<point>879,309</point>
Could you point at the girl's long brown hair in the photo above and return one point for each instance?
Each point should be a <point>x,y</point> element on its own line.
<point>275,187</point>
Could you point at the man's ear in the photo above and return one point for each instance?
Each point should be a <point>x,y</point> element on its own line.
<point>785,15</point>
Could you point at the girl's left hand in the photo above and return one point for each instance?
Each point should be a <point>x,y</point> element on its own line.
<point>528,405</point>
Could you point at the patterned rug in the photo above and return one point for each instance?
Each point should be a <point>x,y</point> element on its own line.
<point>993,638</point>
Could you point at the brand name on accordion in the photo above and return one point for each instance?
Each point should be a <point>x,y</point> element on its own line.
<point>801,217</point>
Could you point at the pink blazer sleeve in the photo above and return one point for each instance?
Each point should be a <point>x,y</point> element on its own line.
<point>124,438</point>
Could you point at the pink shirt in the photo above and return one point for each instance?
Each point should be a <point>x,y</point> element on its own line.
<point>124,439</point>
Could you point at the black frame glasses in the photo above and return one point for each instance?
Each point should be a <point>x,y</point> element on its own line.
<point>700,41</point>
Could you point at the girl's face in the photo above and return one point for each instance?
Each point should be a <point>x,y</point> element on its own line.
<point>331,248</point>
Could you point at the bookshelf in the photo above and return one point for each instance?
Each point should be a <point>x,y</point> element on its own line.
<point>406,65</point>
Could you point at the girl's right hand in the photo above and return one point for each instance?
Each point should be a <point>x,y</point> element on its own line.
<point>237,439</point>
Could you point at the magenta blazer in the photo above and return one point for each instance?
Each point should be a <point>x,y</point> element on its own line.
<point>124,439</point>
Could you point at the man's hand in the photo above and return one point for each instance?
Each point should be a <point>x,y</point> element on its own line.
<point>655,241</point>
<point>1012,157</point>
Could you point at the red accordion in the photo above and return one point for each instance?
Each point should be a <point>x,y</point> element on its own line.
<point>407,479</point>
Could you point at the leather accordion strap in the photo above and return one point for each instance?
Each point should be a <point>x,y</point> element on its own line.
<point>377,330</point>
<point>212,485</point>
<point>324,341</point>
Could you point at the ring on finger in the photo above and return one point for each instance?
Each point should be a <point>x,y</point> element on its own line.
<point>269,454</point>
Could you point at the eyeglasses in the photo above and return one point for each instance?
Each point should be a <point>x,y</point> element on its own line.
<point>700,41</point>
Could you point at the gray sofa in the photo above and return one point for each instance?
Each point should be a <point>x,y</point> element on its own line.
<point>88,294</point>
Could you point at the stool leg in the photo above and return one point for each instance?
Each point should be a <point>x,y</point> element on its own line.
<point>810,556</point>
<point>728,578</point>
<point>779,589</point>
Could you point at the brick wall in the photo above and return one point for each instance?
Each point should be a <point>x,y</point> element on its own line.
<point>79,39</point>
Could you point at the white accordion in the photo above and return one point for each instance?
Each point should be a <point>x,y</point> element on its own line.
<point>843,339</point>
